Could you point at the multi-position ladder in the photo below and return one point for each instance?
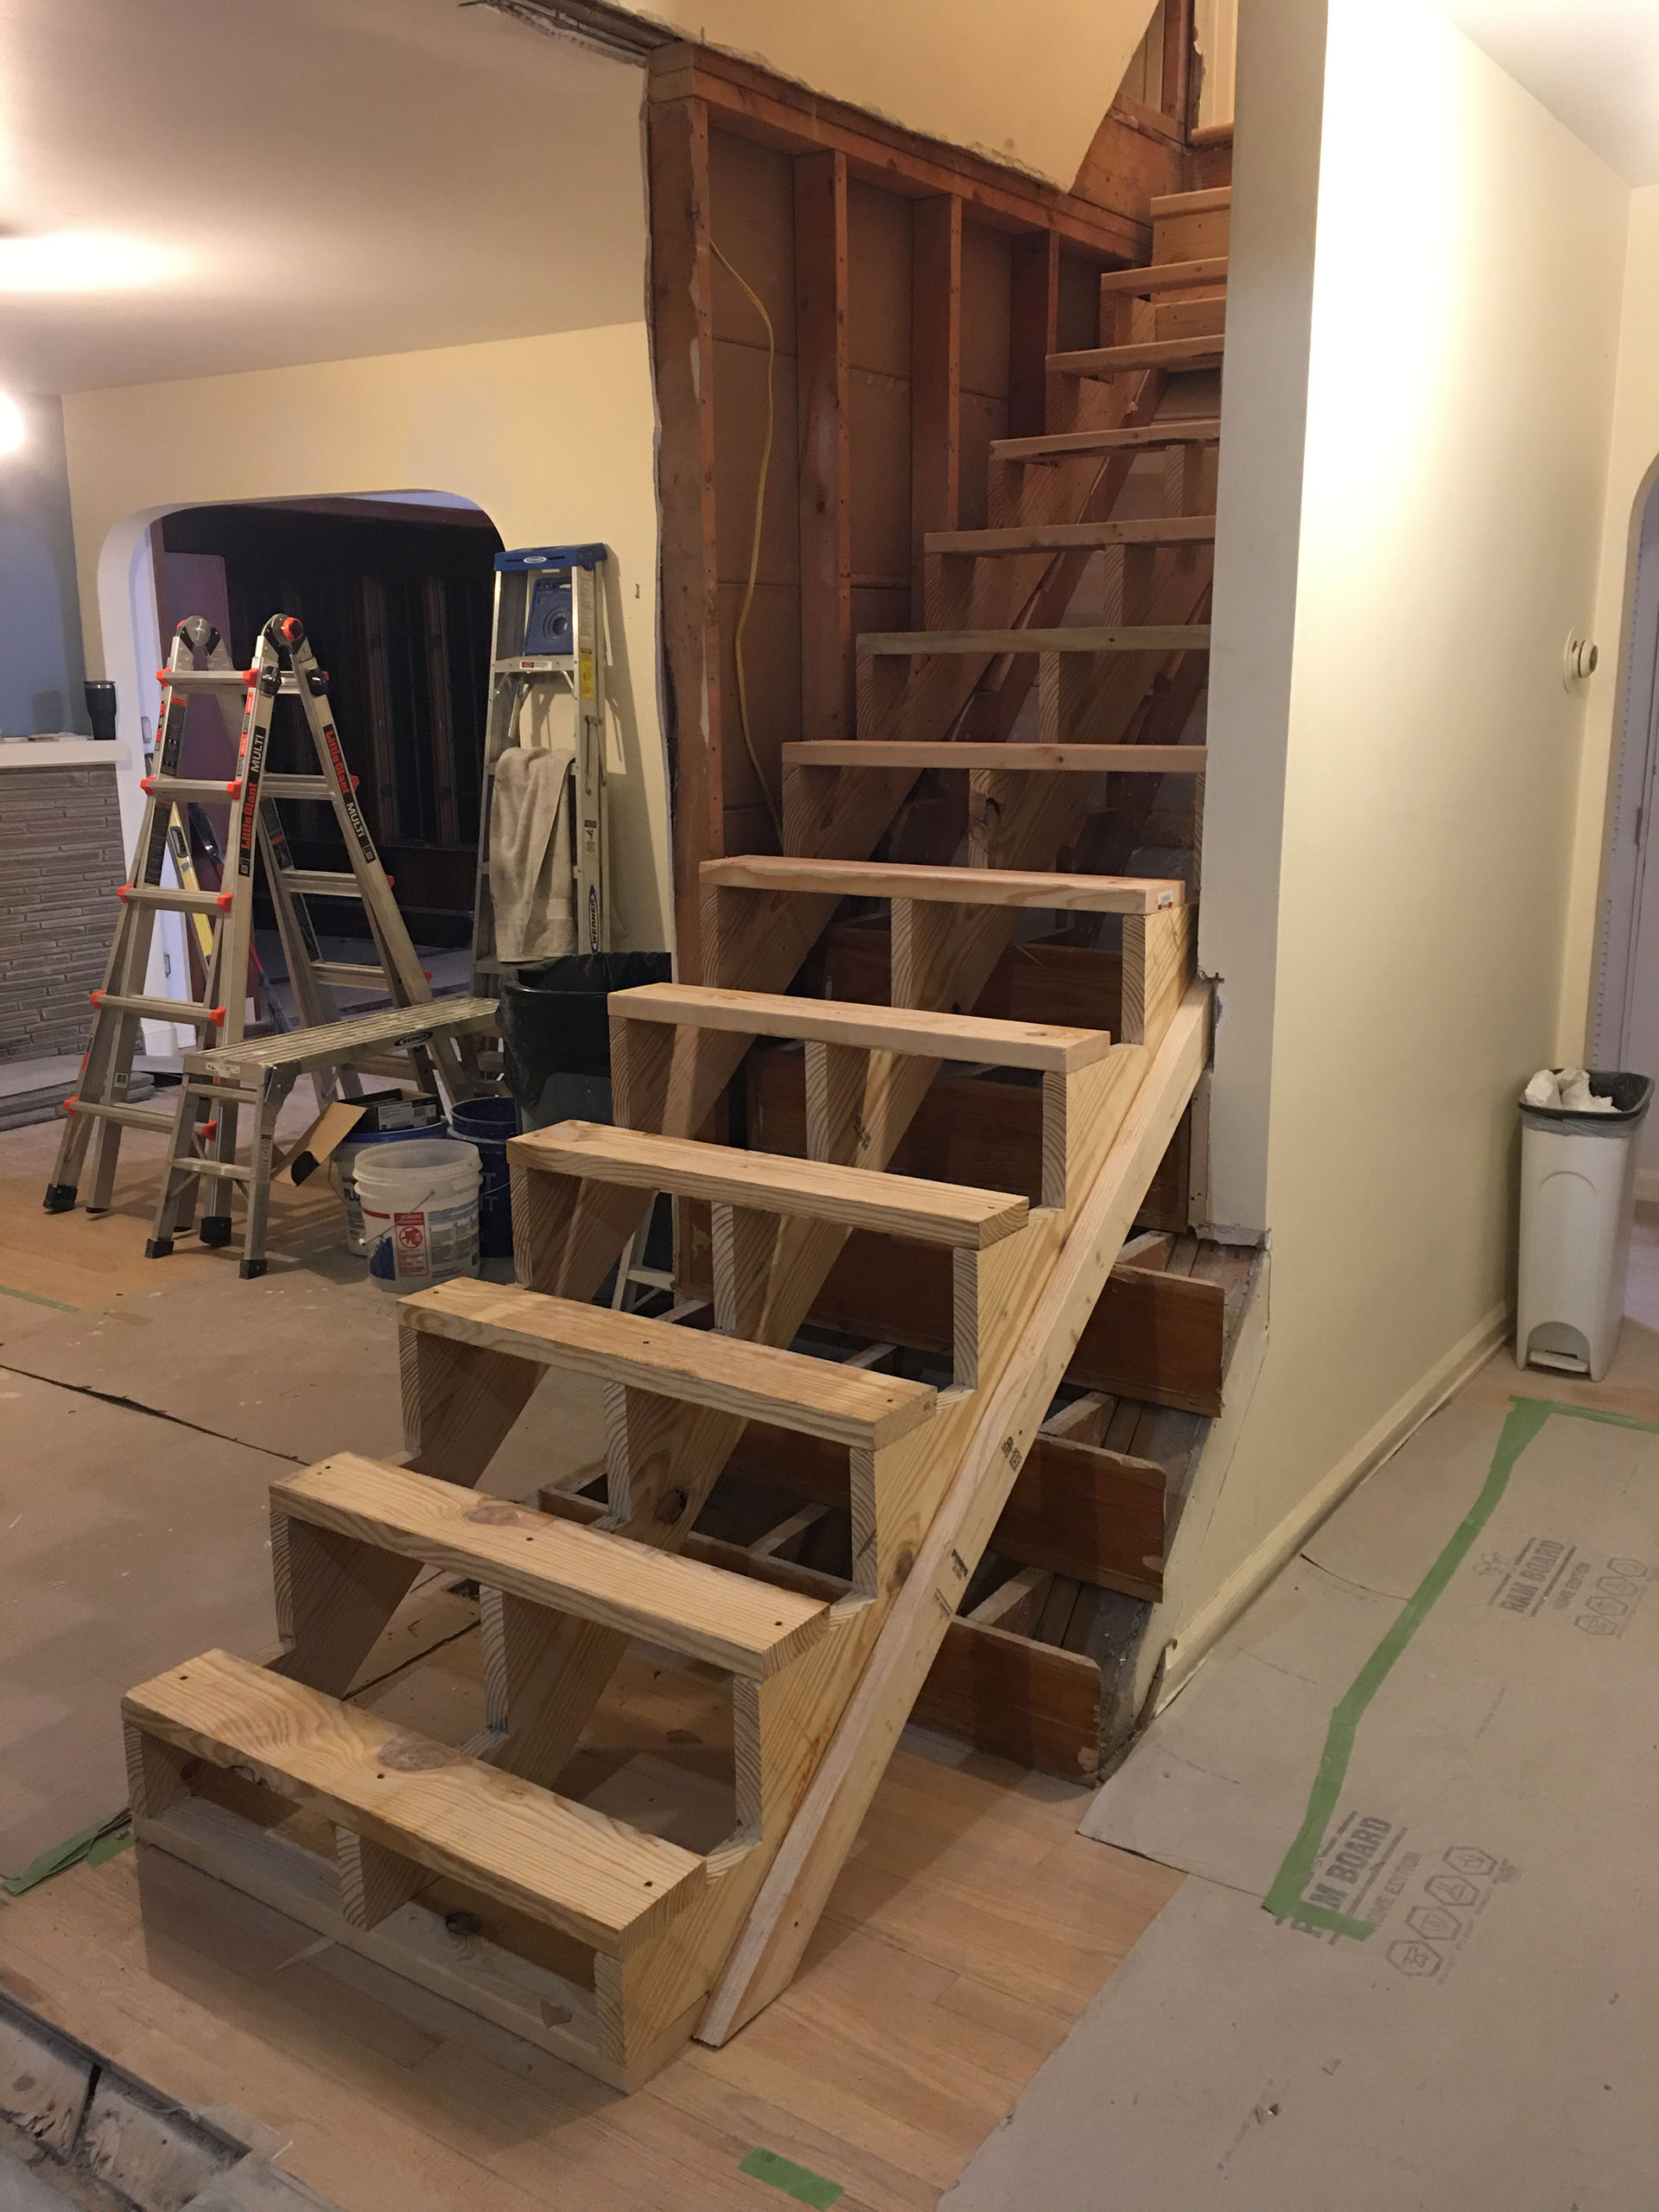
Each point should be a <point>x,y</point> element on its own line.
<point>203,1127</point>
<point>548,648</point>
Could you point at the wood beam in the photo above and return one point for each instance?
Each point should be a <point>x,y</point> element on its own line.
<point>1033,330</point>
<point>1177,102</point>
<point>935,380</point>
<point>1107,215</point>
<point>826,530</point>
<point>682,275</point>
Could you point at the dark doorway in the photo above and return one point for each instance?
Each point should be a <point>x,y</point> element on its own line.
<point>397,599</point>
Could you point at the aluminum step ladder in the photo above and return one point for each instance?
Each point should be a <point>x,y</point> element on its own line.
<point>548,648</point>
<point>202,1133</point>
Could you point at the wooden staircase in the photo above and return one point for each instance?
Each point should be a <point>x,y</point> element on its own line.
<point>604,1943</point>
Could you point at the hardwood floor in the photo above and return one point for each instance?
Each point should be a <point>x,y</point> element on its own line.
<point>968,1931</point>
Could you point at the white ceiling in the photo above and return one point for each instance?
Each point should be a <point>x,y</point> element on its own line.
<point>339,177</point>
<point>1594,64</point>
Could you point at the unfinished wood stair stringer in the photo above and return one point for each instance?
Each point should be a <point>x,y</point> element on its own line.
<point>936,1479</point>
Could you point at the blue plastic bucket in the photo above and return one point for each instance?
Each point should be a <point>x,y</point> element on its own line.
<point>487,1123</point>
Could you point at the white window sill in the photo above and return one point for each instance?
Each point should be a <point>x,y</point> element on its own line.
<point>61,753</point>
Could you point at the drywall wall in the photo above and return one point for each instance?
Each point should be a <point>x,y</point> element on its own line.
<point>552,437</point>
<point>1027,88</point>
<point>1468,270</point>
<point>1632,467</point>
<point>41,670</point>
<point>1258,548</point>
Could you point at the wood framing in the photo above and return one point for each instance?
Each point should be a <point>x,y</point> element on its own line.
<point>824,386</point>
<point>968,1481</point>
<point>870,247</point>
<point>681,282</point>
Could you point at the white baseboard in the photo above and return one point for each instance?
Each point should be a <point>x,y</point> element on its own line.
<point>1409,1413</point>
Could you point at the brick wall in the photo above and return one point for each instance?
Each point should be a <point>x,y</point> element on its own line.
<point>60,859</point>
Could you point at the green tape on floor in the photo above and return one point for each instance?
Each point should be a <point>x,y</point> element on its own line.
<point>798,2181</point>
<point>29,1298</point>
<point>103,1840</point>
<point>1285,1900</point>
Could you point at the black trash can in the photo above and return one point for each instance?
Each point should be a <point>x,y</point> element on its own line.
<point>555,1031</point>
<point>555,1036</point>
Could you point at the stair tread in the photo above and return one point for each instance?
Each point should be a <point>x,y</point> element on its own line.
<point>901,1206</point>
<point>1074,537</point>
<point>1167,275</point>
<point>1207,201</point>
<point>1046,1046</point>
<point>1013,758</point>
<point>966,887</point>
<point>819,1397</point>
<point>1195,429</point>
<point>1148,354</point>
<point>1121,638</point>
<point>602,1882</point>
<point>702,1612</point>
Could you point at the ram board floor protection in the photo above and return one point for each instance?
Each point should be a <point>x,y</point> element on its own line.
<point>1417,1783</point>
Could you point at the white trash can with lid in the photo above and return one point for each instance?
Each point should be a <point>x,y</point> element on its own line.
<point>1577,1199</point>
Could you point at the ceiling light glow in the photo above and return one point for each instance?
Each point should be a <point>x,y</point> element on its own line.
<point>82,261</point>
<point>13,429</point>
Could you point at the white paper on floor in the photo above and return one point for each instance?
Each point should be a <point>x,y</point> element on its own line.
<point>1430,1746</point>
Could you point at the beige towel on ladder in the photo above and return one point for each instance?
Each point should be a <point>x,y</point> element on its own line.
<point>532,858</point>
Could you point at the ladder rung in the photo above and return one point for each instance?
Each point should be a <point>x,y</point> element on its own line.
<point>758,1382</point>
<point>959,886</point>
<point>189,787</point>
<point>216,679</point>
<point>205,1017</point>
<point>213,1170</point>
<point>322,883</point>
<point>348,973</point>
<point>724,1619</point>
<point>177,902</point>
<point>130,1117</point>
<point>297,787</point>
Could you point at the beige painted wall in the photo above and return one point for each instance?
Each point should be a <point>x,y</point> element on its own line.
<point>1024,86</point>
<point>552,437</point>
<point>1465,302</point>
<point>1633,456</point>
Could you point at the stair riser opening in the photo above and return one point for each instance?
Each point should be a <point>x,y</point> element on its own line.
<point>504,1968</point>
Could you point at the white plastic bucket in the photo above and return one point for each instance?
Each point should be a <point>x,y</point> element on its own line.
<point>420,1210</point>
<point>342,1167</point>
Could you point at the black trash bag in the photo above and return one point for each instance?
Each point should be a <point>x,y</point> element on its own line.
<point>555,1031</point>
